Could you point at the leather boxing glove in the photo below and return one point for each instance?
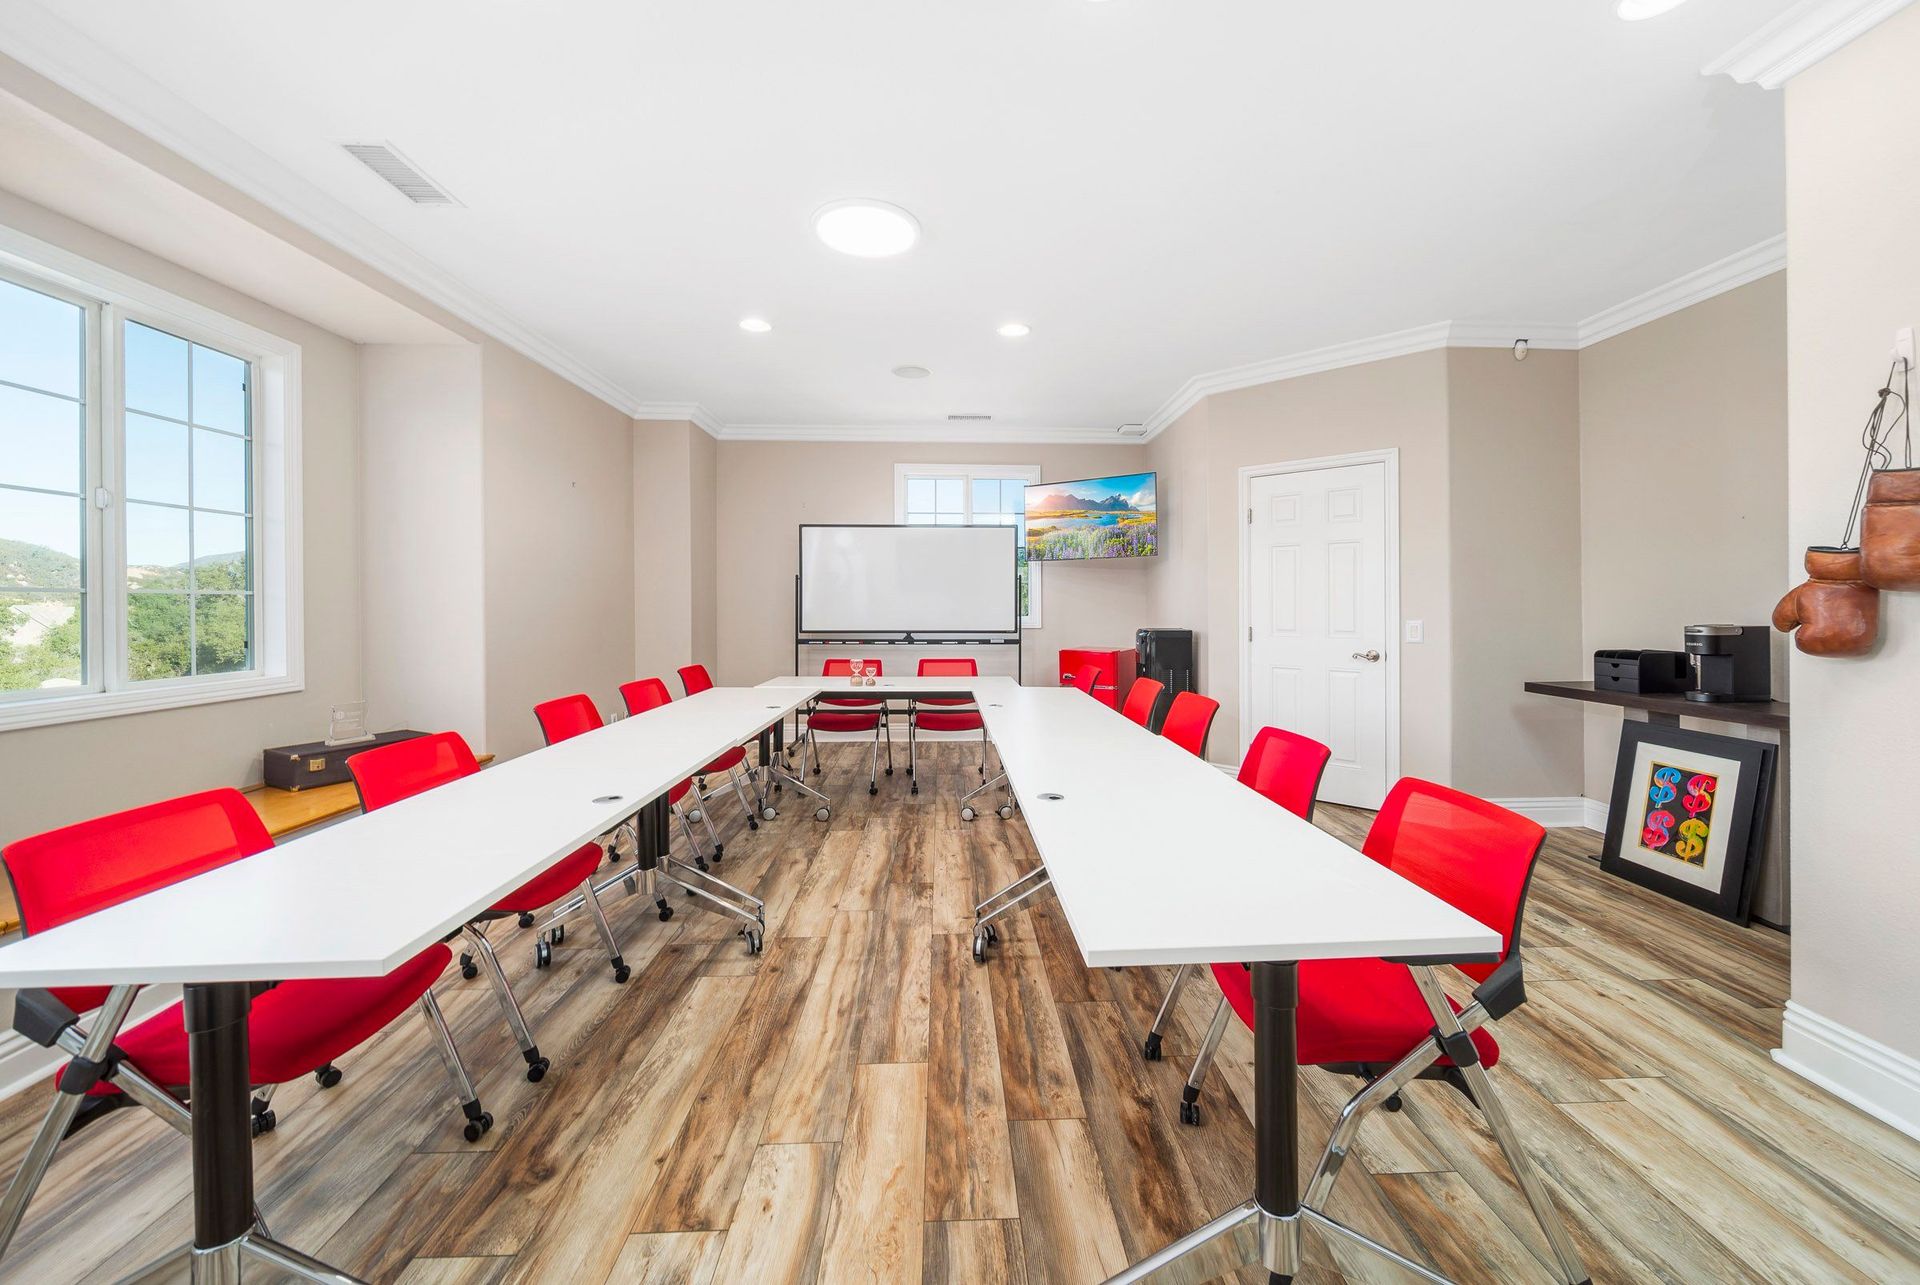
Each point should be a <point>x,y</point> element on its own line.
<point>1835,611</point>
<point>1890,530</point>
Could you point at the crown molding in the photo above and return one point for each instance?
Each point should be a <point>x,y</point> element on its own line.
<point>1799,38</point>
<point>50,47</point>
<point>1544,335</point>
<point>692,412</point>
<point>1730,273</point>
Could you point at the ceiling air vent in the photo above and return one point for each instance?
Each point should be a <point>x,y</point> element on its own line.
<point>1132,430</point>
<point>969,419</point>
<point>404,176</point>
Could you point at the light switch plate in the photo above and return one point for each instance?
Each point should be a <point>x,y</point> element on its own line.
<point>1416,631</point>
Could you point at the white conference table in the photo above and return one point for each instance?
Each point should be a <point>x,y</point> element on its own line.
<point>1158,857</point>
<point>357,900</point>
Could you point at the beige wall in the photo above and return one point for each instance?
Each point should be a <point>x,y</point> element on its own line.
<point>55,775</point>
<point>703,457</point>
<point>1177,589</point>
<point>666,534</point>
<point>1706,384</point>
<point>765,490</point>
<point>1853,202</point>
<point>1514,466</point>
<point>1399,403</point>
<point>423,595</point>
<point>558,465</point>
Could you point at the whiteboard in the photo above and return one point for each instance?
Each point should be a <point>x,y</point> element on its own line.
<point>902,579</point>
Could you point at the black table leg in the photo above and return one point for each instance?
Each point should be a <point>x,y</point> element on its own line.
<point>1276,1095</point>
<point>215,1016</point>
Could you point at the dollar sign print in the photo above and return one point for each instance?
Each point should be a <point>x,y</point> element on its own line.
<point>1658,830</point>
<point>1693,840</point>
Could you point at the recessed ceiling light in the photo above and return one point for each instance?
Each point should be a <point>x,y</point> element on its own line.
<point>1635,10</point>
<point>869,229</point>
<point>1015,330</point>
<point>911,372</point>
<point>755,325</point>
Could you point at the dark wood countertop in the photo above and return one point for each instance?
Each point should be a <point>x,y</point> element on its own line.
<point>1749,713</point>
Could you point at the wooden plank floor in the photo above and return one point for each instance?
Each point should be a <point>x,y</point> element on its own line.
<point>864,1103</point>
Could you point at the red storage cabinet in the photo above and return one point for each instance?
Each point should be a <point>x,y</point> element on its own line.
<point>1116,671</point>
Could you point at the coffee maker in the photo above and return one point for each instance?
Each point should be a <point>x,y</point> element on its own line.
<point>1730,662</point>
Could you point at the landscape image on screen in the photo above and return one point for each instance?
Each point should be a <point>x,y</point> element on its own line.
<point>1102,517</point>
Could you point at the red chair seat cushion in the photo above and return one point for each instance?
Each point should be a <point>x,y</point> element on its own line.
<point>1352,1010</point>
<point>826,722</point>
<point>726,762</point>
<point>293,1029</point>
<point>553,883</point>
<point>931,721</point>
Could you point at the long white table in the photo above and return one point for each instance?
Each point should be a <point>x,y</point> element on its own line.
<point>357,900</point>
<point>1157,857</point>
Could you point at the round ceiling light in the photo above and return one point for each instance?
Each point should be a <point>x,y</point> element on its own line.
<point>1636,10</point>
<point>865,228</point>
<point>1015,330</point>
<point>755,325</point>
<point>911,372</point>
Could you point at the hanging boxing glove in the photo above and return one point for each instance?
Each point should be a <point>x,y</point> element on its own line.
<point>1890,530</point>
<point>1836,612</point>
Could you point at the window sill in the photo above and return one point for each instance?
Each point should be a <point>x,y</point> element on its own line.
<point>50,710</point>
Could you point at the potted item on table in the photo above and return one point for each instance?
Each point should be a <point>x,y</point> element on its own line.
<point>1836,612</point>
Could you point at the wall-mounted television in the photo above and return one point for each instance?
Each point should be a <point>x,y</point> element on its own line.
<point>1095,517</point>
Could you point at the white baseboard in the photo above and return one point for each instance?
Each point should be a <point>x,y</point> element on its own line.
<point>1560,812</point>
<point>1883,1082</point>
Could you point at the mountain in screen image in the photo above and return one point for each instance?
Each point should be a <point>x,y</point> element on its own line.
<point>1107,517</point>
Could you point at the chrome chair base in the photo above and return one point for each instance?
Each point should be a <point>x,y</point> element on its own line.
<point>1248,1236</point>
<point>224,1264</point>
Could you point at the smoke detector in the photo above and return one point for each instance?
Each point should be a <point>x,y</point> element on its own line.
<point>385,160</point>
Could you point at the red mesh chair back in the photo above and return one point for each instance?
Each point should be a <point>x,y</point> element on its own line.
<point>71,872</point>
<point>1475,855</point>
<point>1188,720</point>
<point>1285,767</point>
<point>643,694</point>
<point>1140,699</point>
<point>567,717</point>
<point>694,678</point>
<point>948,667</point>
<point>406,768</point>
<point>1087,676</point>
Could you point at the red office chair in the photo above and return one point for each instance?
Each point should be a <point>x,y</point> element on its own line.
<point>945,713</point>
<point>293,1029</point>
<point>1087,677</point>
<point>642,695</point>
<point>838,714</point>
<point>1141,698</point>
<point>1285,767</point>
<point>387,775</point>
<point>1188,720</point>
<point>1391,1022</point>
<point>562,719</point>
<point>694,679</point>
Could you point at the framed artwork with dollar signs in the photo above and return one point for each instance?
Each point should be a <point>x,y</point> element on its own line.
<point>1688,817</point>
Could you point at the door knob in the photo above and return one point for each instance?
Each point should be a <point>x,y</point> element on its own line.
<point>1368,656</point>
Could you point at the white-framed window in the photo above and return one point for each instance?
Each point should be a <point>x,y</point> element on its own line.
<point>149,513</point>
<point>973,495</point>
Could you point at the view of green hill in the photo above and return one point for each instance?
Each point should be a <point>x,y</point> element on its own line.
<point>35,564</point>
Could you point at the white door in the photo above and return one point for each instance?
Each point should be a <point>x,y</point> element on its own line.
<point>1318,631</point>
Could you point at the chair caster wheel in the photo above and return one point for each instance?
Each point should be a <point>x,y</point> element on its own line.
<point>719,850</point>
<point>612,854</point>
<point>542,954</point>
<point>621,972</point>
<point>536,1072</point>
<point>1393,1103</point>
<point>889,771</point>
<point>559,934</point>
<point>469,969</point>
<point>1150,1049</point>
<point>263,1120</point>
<point>993,934</point>
<point>821,814</point>
<point>327,1076</point>
<point>1189,1113</point>
<point>816,770</point>
<point>753,822</point>
<point>872,790</point>
<point>700,863</point>
<point>478,1126</point>
<point>968,814</point>
<point>526,919</point>
<point>1006,811</point>
<point>666,911</point>
<point>767,813</point>
<point>916,787</point>
<point>754,940</point>
<point>979,949</point>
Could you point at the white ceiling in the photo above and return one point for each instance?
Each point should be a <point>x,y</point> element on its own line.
<point>1160,187</point>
